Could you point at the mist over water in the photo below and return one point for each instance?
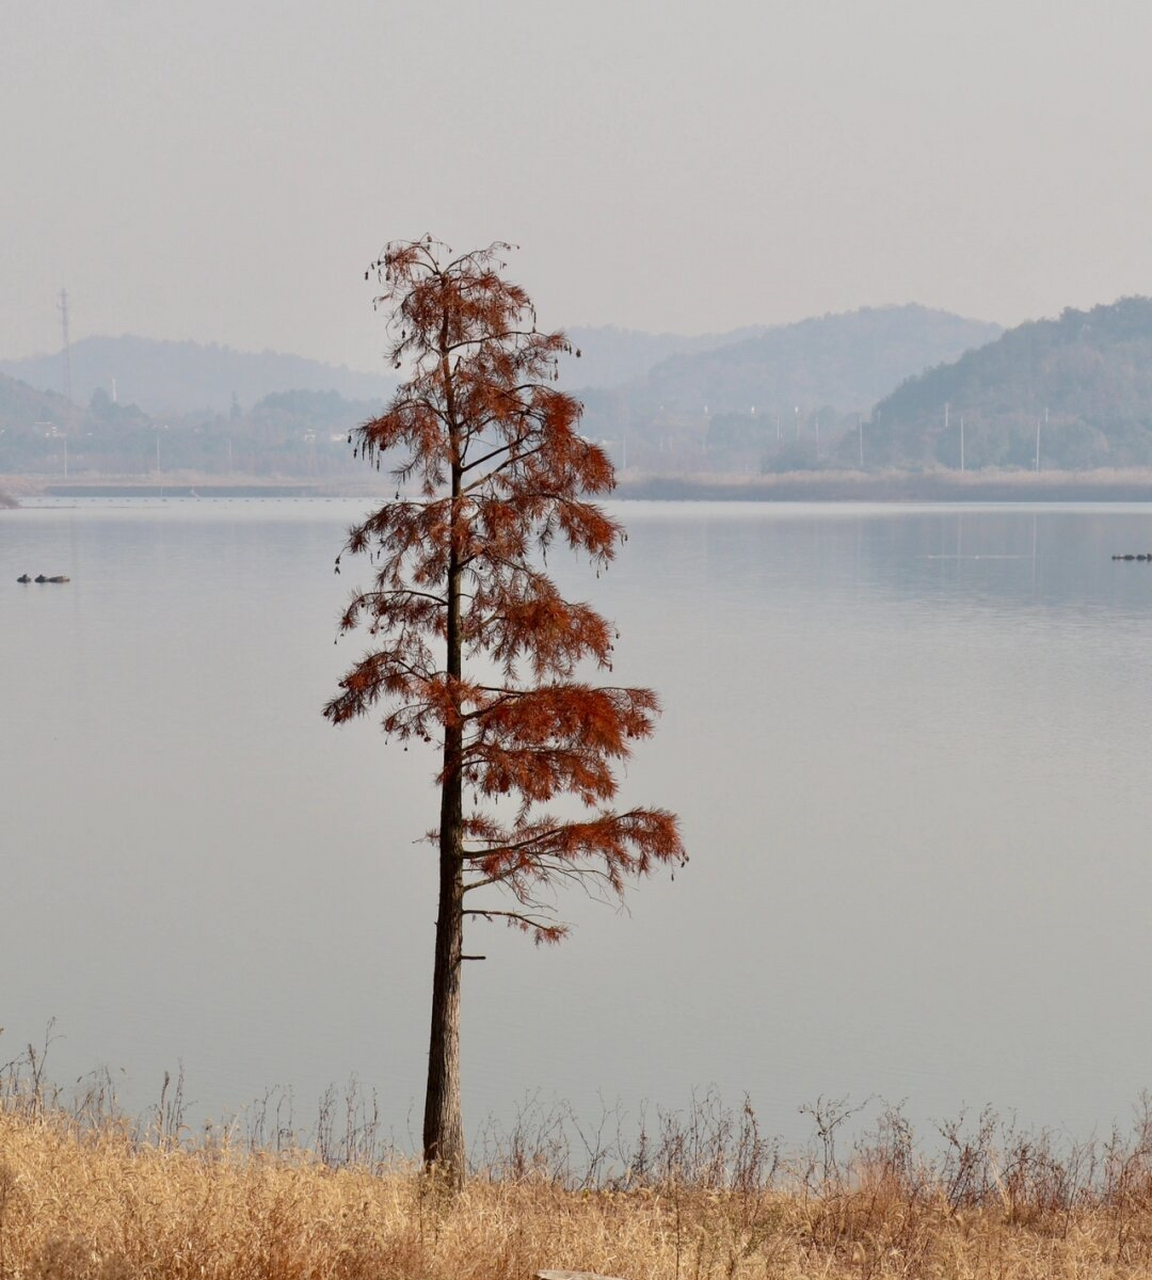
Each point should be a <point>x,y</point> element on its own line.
<point>908,747</point>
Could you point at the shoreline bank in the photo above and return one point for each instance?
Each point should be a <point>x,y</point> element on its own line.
<point>896,486</point>
<point>821,486</point>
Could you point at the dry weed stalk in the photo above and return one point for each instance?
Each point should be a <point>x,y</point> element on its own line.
<point>699,1195</point>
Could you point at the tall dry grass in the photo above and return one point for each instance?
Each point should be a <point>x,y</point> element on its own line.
<point>87,1195</point>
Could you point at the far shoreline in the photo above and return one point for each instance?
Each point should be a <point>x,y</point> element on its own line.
<point>895,487</point>
<point>798,486</point>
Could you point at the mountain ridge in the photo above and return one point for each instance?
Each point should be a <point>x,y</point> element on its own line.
<point>163,376</point>
<point>1075,391</point>
<point>789,378</point>
<point>611,355</point>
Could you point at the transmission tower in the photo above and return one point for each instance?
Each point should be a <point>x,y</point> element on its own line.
<point>66,354</point>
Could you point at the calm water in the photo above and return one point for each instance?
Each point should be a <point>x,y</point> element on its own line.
<point>909,747</point>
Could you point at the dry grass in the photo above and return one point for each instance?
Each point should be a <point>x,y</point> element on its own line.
<point>85,1196</point>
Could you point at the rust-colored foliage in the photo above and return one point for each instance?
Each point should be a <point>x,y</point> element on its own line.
<point>474,648</point>
<point>501,473</point>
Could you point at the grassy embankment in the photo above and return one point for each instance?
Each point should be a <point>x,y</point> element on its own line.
<point>86,1196</point>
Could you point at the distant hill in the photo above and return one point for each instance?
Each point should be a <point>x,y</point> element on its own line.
<point>1084,379</point>
<point>845,361</point>
<point>825,368</point>
<point>610,356</point>
<point>186,377</point>
<point>22,407</point>
<point>31,421</point>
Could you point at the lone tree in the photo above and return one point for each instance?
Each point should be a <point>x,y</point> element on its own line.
<point>474,649</point>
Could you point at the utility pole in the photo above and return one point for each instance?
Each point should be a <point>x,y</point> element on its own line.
<point>961,444</point>
<point>860,433</point>
<point>66,354</point>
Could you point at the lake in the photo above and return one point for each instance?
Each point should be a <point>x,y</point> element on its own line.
<point>909,747</point>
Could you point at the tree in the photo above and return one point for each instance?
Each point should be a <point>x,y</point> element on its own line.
<point>476,650</point>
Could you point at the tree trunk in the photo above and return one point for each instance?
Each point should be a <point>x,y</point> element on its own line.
<point>443,1118</point>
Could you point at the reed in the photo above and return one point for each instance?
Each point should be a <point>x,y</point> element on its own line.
<point>85,1194</point>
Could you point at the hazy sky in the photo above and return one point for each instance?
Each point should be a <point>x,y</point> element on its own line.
<point>225,171</point>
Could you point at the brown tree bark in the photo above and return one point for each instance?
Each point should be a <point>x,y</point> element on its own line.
<point>443,1118</point>
<point>443,1114</point>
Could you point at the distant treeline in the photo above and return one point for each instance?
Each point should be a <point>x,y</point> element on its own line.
<point>902,388</point>
<point>287,433</point>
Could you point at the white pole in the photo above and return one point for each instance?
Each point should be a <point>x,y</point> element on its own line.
<point>961,444</point>
<point>860,433</point>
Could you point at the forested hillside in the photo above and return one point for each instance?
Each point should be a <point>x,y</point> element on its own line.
<point>22,406</point>
<point>767,397</point>
<point>1081,383</point>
